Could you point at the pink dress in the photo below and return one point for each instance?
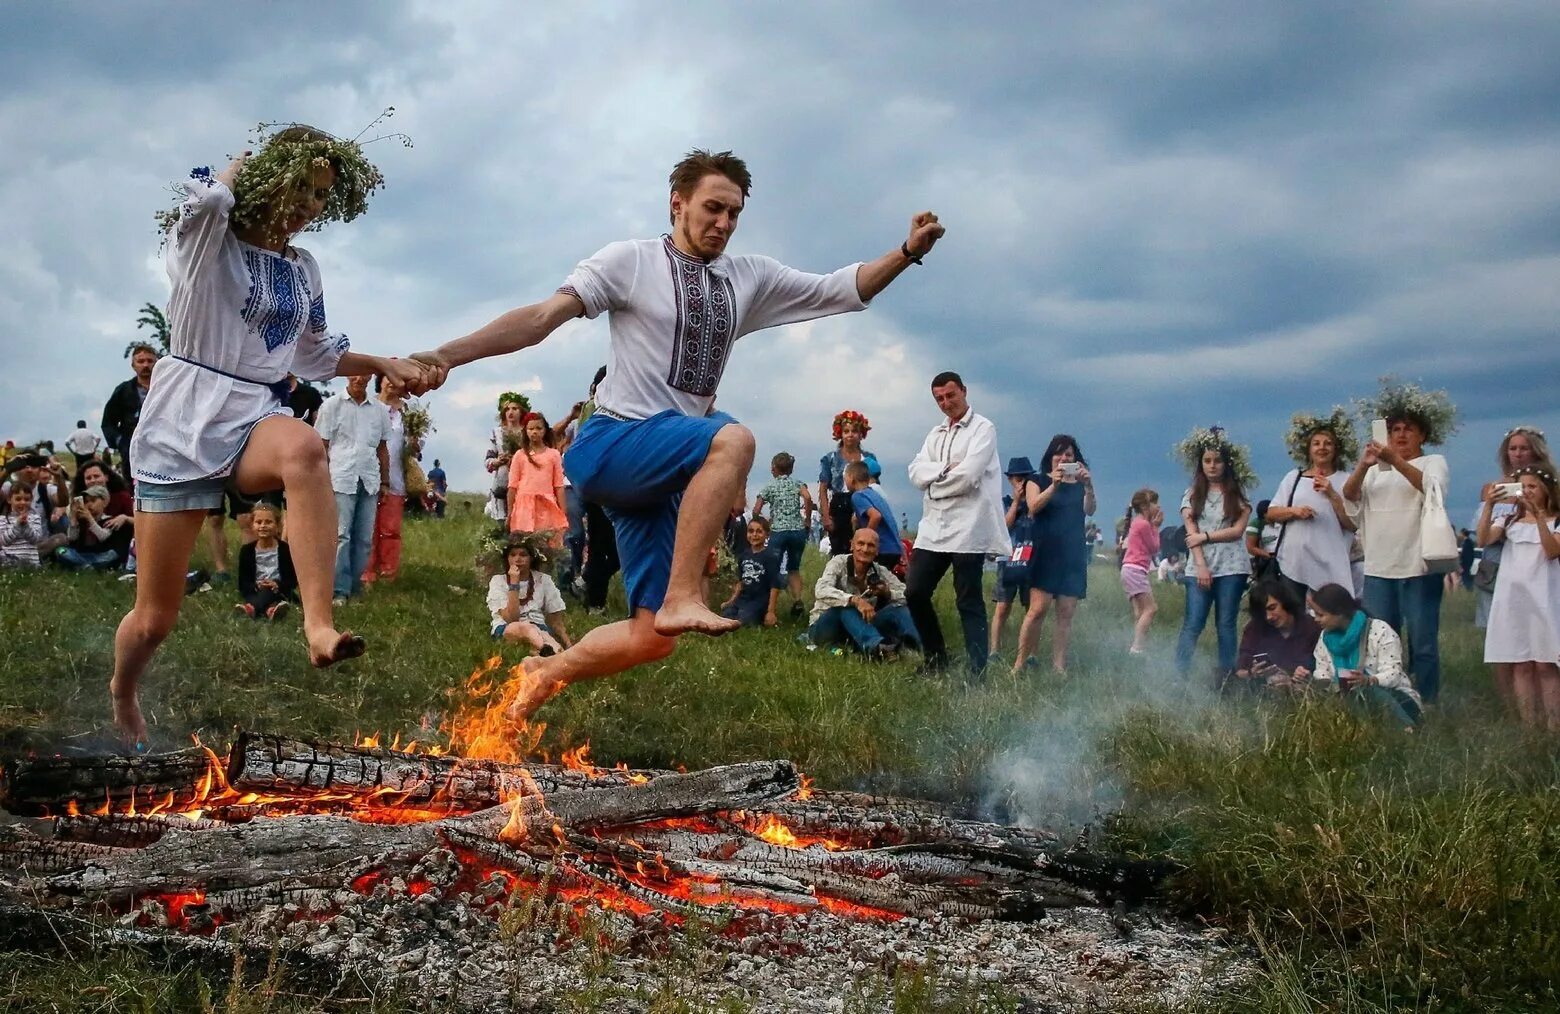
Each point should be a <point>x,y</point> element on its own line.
<point>1142,544</point>
<point>534,483</point>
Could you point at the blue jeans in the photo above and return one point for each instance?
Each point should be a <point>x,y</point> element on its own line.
<point>1414,603</point>
<point>354,538</point>
<point>75,559</point>
<point>1223,599</point>
<point>843,622</point>
<point>574,541</point>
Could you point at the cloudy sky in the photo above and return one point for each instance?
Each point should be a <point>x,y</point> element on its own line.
<point>1159,215</point>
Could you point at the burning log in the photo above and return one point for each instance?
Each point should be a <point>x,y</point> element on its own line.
<point>265,763</point>
<point>43,785</point>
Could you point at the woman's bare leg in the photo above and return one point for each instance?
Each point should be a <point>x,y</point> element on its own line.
<point>1503,686</point>
<point>163,543</point>
<point>530,634</point>
<point>1547,676</point>
<point>1524,689</point>
<point>1029,630</point>
<point>999,617</point>
<point>289,453</point>
<point>1066,606</point>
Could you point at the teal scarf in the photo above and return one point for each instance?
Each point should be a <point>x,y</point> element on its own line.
<point>1344,645</point>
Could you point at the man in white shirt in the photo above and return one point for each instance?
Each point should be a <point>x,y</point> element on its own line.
<point>654,453</point>
<point>355,429</point>
<point>962,522</point>
<point>1399,587</point>
<point>82,443</point>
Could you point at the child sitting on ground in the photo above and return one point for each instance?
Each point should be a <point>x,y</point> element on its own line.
<point>266,578</point>
<point>759,580</point>
<point>871,510</point>
<point>790,516</point>
<point>93,543</point>
<point>20,532</point>
<point>524,602</point>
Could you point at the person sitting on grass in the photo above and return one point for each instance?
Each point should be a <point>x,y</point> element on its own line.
<point>93,542</point>
<point>756,595</point>
<point>1279,639</point>
<point>1360,656</point>
<point>860,601</point>
<point>266,578</point>
<point>791,516</point>
<point>20,531</point>
<point>526,605</point>
<point>871,510</point>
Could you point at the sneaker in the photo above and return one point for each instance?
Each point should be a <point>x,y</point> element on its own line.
<point>338,602</point>
<point>221,577</point>
<point>883,652</point>
<point>245,609</point>
<point>277,611</point>
<point>796,610</point>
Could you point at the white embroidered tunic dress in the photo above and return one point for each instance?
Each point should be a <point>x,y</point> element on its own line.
<point>238,309</point>
<point>674,318</point>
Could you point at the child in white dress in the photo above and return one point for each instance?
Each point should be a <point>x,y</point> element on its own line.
<point>246,309</point>
<point>1524,622</point>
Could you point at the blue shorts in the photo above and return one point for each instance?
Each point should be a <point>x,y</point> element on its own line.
<point>170,497</point>
<point>790,546</point>
<point>499,628</point>
<point>637,470</point>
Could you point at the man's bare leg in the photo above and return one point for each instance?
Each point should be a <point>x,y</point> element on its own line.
<point>605,651</point>
<point>705,507</point>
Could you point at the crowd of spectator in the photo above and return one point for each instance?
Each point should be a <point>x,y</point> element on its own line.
<point>1339,573</point>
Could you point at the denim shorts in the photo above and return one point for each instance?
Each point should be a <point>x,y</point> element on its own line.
<point>790,546</point>
<point>498,629</point>
<point>171,497</point>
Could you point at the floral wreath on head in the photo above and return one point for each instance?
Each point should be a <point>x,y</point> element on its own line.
<point>1304,425</point>
<point>1190,451</point>
<point>1526,430</point>
<point>287,153</point>
<point>850,415</point>
<point>1543,474</point>
<point>494,546</point>
<point>513,398</point>
<point>1432,411</point>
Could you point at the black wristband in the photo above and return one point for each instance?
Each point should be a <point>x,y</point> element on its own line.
<point>904,248</point>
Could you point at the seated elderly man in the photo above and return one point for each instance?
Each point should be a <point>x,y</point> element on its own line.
<point>860,601</point>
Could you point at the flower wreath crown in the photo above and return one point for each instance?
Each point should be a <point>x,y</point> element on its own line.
<point>851,416</point>
<point>1190,451</point>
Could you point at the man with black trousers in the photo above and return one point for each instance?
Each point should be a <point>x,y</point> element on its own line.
<point>962,522</point>
<point>123,411</point>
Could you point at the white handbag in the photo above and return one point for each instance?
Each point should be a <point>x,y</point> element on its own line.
<point>1437,540</point>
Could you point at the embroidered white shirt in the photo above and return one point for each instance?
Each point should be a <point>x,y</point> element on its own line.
<point>543,602</point>
<point>674,318</point>
<point>236,308</point>
<point>1390,509</point>
<point>354,430</point>
<point>961,482</point>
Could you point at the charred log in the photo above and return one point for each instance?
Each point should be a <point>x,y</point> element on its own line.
<point>45,786</point>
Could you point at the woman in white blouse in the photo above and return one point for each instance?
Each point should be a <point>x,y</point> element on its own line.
<point>247,308</point>
<point>1318,523</point>
<point>1360,658</point>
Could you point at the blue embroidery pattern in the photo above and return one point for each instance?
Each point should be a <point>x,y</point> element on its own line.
<point>317,315</point>
<point>278,299</point>
<point>704,330</point>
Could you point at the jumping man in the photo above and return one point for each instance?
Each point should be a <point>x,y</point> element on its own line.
<point>666,466</point>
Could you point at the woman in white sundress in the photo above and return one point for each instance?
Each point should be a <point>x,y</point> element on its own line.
<point>1524,624</point>
<point>246,309</point>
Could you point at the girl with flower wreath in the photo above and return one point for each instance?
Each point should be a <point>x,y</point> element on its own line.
<point>505,439</point>
<point>1214,510</point>
<point>850,429</point>
<point>1521,446</point>
<point>1317,523</point>
<point>524,603</point>
<point>1524,626</point>
<point>536,494</point>
<point>1400,587</point>
<point>247,308</point>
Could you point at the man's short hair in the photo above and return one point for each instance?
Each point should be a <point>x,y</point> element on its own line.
<point>81,424</point>
<point>700,163</point>
<point>137,348</point>
<point>857,471</point>
<point>948,377</point>
<point>782,463</point>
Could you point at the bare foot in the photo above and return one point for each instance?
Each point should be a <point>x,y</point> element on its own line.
<point>127,717</point>
<point>328,647</point>
<point>691,617</point>
<point>537,690</point>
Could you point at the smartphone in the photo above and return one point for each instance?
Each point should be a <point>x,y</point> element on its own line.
<point>1378,433</point>
<point>1070,469</point>
<point>1509,490</point>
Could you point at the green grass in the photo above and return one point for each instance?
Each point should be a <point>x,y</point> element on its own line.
<point>1374,870</point>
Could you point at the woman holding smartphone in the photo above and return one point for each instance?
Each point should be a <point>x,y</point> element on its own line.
<point>1318,523</point>
<point>1060,497</point>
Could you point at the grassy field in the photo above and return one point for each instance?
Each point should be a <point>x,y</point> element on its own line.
<point>1372,869</point>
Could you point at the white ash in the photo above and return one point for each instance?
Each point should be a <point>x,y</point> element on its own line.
<point>486,950</point>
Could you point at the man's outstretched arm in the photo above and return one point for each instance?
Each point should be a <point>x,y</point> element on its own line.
<point>873,277</point>
<point>518,329</point>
